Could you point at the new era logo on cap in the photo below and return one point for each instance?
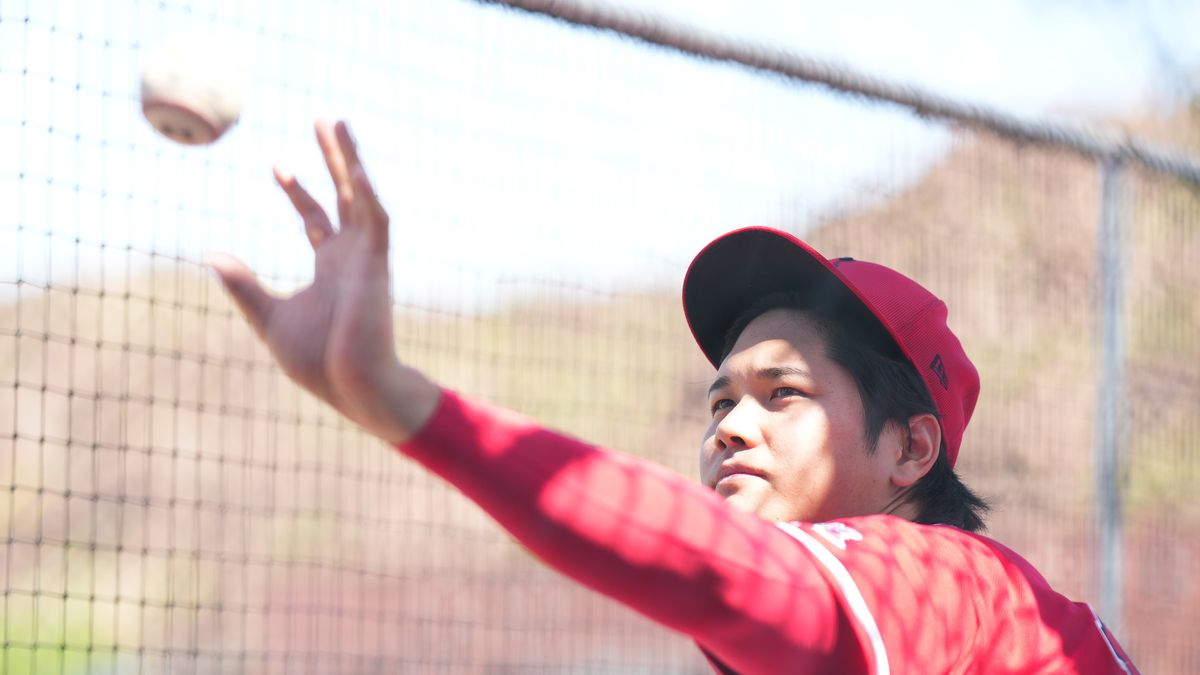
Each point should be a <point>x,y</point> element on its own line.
<point>939,368</point>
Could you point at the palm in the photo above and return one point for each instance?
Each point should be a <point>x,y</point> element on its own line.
<point>331,336</point>
<point>334,337</point>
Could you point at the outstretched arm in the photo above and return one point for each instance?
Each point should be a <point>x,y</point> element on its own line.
<point>663,545</point>
<point>668,547</point>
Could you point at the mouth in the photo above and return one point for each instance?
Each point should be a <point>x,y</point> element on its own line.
<point>732,470</point>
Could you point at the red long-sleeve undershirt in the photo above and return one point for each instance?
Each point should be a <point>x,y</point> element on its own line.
<point>661,544</point>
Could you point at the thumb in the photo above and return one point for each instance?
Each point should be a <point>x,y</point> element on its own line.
<point>249,295</point>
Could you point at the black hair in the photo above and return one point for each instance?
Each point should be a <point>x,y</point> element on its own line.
<point>888,384</point>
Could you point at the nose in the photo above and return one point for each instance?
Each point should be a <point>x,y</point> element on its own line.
<point>739,427</point>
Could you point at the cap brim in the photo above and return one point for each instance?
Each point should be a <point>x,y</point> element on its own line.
<point>738,269</point>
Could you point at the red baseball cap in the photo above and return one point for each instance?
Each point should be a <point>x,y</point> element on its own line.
<point>741,267</point>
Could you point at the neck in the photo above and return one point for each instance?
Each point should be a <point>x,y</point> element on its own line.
<point>901,507</point>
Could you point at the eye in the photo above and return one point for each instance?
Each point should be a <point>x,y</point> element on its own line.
<point>719,405</point>
<point>785,392</point>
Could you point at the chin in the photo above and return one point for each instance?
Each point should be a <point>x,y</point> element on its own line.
<point>765,508</point>
<point>747,503</point>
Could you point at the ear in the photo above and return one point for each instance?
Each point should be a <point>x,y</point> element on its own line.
<point>915,460</point>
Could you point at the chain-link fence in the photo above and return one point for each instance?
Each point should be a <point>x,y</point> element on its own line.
<point>173,504</point>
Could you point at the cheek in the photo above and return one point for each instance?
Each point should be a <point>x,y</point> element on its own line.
<point>807,473</point>
<point>815,455</point>
<point>708,453</point>
<point>799,443</point>
<point>844,432</point>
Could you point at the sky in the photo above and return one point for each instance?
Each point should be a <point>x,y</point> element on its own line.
<point>1021,55</point>
<point>515,154</point>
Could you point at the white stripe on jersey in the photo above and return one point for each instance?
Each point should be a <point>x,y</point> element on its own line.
<point>1111,649</point>
<point>850,591</point>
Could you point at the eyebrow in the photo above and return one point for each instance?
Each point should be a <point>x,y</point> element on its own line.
<point>773,373</point>
<point>719,383</point>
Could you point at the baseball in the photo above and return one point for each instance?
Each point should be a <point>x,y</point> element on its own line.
<point>191,92</point>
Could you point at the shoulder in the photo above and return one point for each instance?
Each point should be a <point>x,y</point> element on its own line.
<point>970,571</point>
<point>918,595</point>
<point>939,597</point>
<point>892,554</point>
<point>892,536</point>
<point>912,592</point>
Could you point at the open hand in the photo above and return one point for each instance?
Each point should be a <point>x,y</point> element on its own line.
<point>334,337</point>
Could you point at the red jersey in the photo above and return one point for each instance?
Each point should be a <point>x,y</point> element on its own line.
<point>874,594</point>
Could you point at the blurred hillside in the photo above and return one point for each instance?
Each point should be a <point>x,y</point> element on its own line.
<point>170,489</point>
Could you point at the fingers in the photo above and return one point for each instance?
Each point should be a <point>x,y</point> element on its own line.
<point>346,144</point>
<point>335,159</point>
<point>367,207</point>
<point>250,297</point>
<point>358,203</point>
<point>316,223</point>
<point>360,211</point>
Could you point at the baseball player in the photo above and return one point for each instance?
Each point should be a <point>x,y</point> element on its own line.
<point>829,534</point>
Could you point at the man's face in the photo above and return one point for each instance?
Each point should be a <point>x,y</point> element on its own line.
<point>787,439</point>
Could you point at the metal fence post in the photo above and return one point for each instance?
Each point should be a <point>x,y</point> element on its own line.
<point>1110,395</point>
